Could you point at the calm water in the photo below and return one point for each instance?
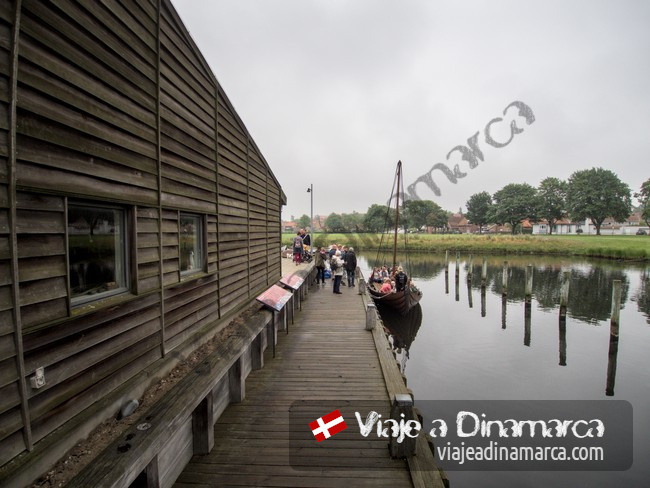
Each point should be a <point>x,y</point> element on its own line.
<point>473,348</point>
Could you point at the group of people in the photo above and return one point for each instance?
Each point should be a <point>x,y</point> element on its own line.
<point>342,262</point>
<point>301,246</point>
<point>391,281</point>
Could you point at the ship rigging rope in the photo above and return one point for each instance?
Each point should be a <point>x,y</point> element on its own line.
<point>387,227</point>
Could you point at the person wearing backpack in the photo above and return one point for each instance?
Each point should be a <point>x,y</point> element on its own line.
<point>297,249</point>
<point>336,264</point>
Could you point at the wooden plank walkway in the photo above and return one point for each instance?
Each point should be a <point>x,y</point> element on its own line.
<point>327,356</point>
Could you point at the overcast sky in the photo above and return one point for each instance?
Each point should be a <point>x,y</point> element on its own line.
<point>335,92</point>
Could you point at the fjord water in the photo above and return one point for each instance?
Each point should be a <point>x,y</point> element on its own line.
<point>473,348</point>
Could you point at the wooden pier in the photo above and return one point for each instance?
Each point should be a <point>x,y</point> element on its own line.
<point>327,355</point>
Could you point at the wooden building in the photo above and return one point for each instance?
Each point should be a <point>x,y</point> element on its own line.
<point>136,212</point>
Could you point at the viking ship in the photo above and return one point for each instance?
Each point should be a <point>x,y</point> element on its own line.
<point>406,298</point>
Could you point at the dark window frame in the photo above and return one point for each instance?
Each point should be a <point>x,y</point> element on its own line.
<point>125,255</point>
<point>200,263</point>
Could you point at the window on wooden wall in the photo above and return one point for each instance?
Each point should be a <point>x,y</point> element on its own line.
<point>97,250</point>
<point>191,243</point>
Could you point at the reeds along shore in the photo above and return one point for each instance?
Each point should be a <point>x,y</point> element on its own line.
<point>633,248</point>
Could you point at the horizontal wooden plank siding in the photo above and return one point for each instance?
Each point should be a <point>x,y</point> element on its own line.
<point>116,107</point>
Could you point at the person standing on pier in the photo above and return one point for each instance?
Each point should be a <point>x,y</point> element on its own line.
<point>297,248</point>
<point>336,264</point>
<point>319,262</point>
<point>350,265</point>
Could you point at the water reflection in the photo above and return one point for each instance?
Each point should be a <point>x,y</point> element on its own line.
<point>402,329</point>
<point>467,352</point>
<point>590,295</point>
<point>642,295</point>
<point>612,358</point>
<point>562,333</point>
<point>527,316</point>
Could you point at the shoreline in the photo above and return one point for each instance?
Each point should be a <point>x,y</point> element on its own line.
<point>622,248</point>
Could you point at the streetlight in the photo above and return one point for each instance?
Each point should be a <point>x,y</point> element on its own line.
<point>310,190</point>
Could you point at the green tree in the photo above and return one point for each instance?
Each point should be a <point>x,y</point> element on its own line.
<point>334,223</point>
<point>478,209</point>
<point>596,194</point>
<point>375,218</point>
<point>552,201</point>
<point>514,203</point>
<point>416,213</point>
<point>304,222</point>
<point>352,222</point>
<point>644,201</point>
<point>438,219</point>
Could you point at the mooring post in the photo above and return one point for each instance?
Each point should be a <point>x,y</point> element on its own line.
<point>564,292</point>
<point>504,307</point>
<point>457,283</point>
<point>362,286</point>
<point>371,316</point>
<point>457,264</point>
<point>529,283</point>
<point>470,299</point>
<point>402,409</point>
<point>470,267</point>
<point>447,261</point>
<point>484,272</point>
<point>504,279</point>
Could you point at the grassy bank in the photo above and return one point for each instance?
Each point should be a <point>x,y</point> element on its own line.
<point>614,247</point>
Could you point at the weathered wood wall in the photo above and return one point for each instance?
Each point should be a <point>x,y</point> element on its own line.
<point>111,101</point>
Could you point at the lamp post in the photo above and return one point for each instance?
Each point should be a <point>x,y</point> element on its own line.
<point>310,190</point>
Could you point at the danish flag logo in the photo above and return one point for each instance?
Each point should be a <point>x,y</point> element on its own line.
<point>328,425</point>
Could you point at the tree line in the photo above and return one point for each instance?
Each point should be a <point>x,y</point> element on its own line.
<point>594,193</point>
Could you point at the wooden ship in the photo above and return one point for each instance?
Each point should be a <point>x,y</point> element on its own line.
<point>136,214</point>
<point>405,299</point>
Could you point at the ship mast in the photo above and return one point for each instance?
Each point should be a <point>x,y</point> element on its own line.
<point>399,176</point>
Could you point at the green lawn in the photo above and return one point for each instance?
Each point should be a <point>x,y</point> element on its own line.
<point>616,247</point>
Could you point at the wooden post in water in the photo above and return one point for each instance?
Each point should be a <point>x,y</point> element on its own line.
<point>504,279</point>
<point>504,303</point>
<point>613,338</point>
<point>529,283</point>
<point>470,299</point>
<point>470,268</point>
<point>457,264</point>
<point>564,293</point>
<point>457,283</point>
<point>484,273</point>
